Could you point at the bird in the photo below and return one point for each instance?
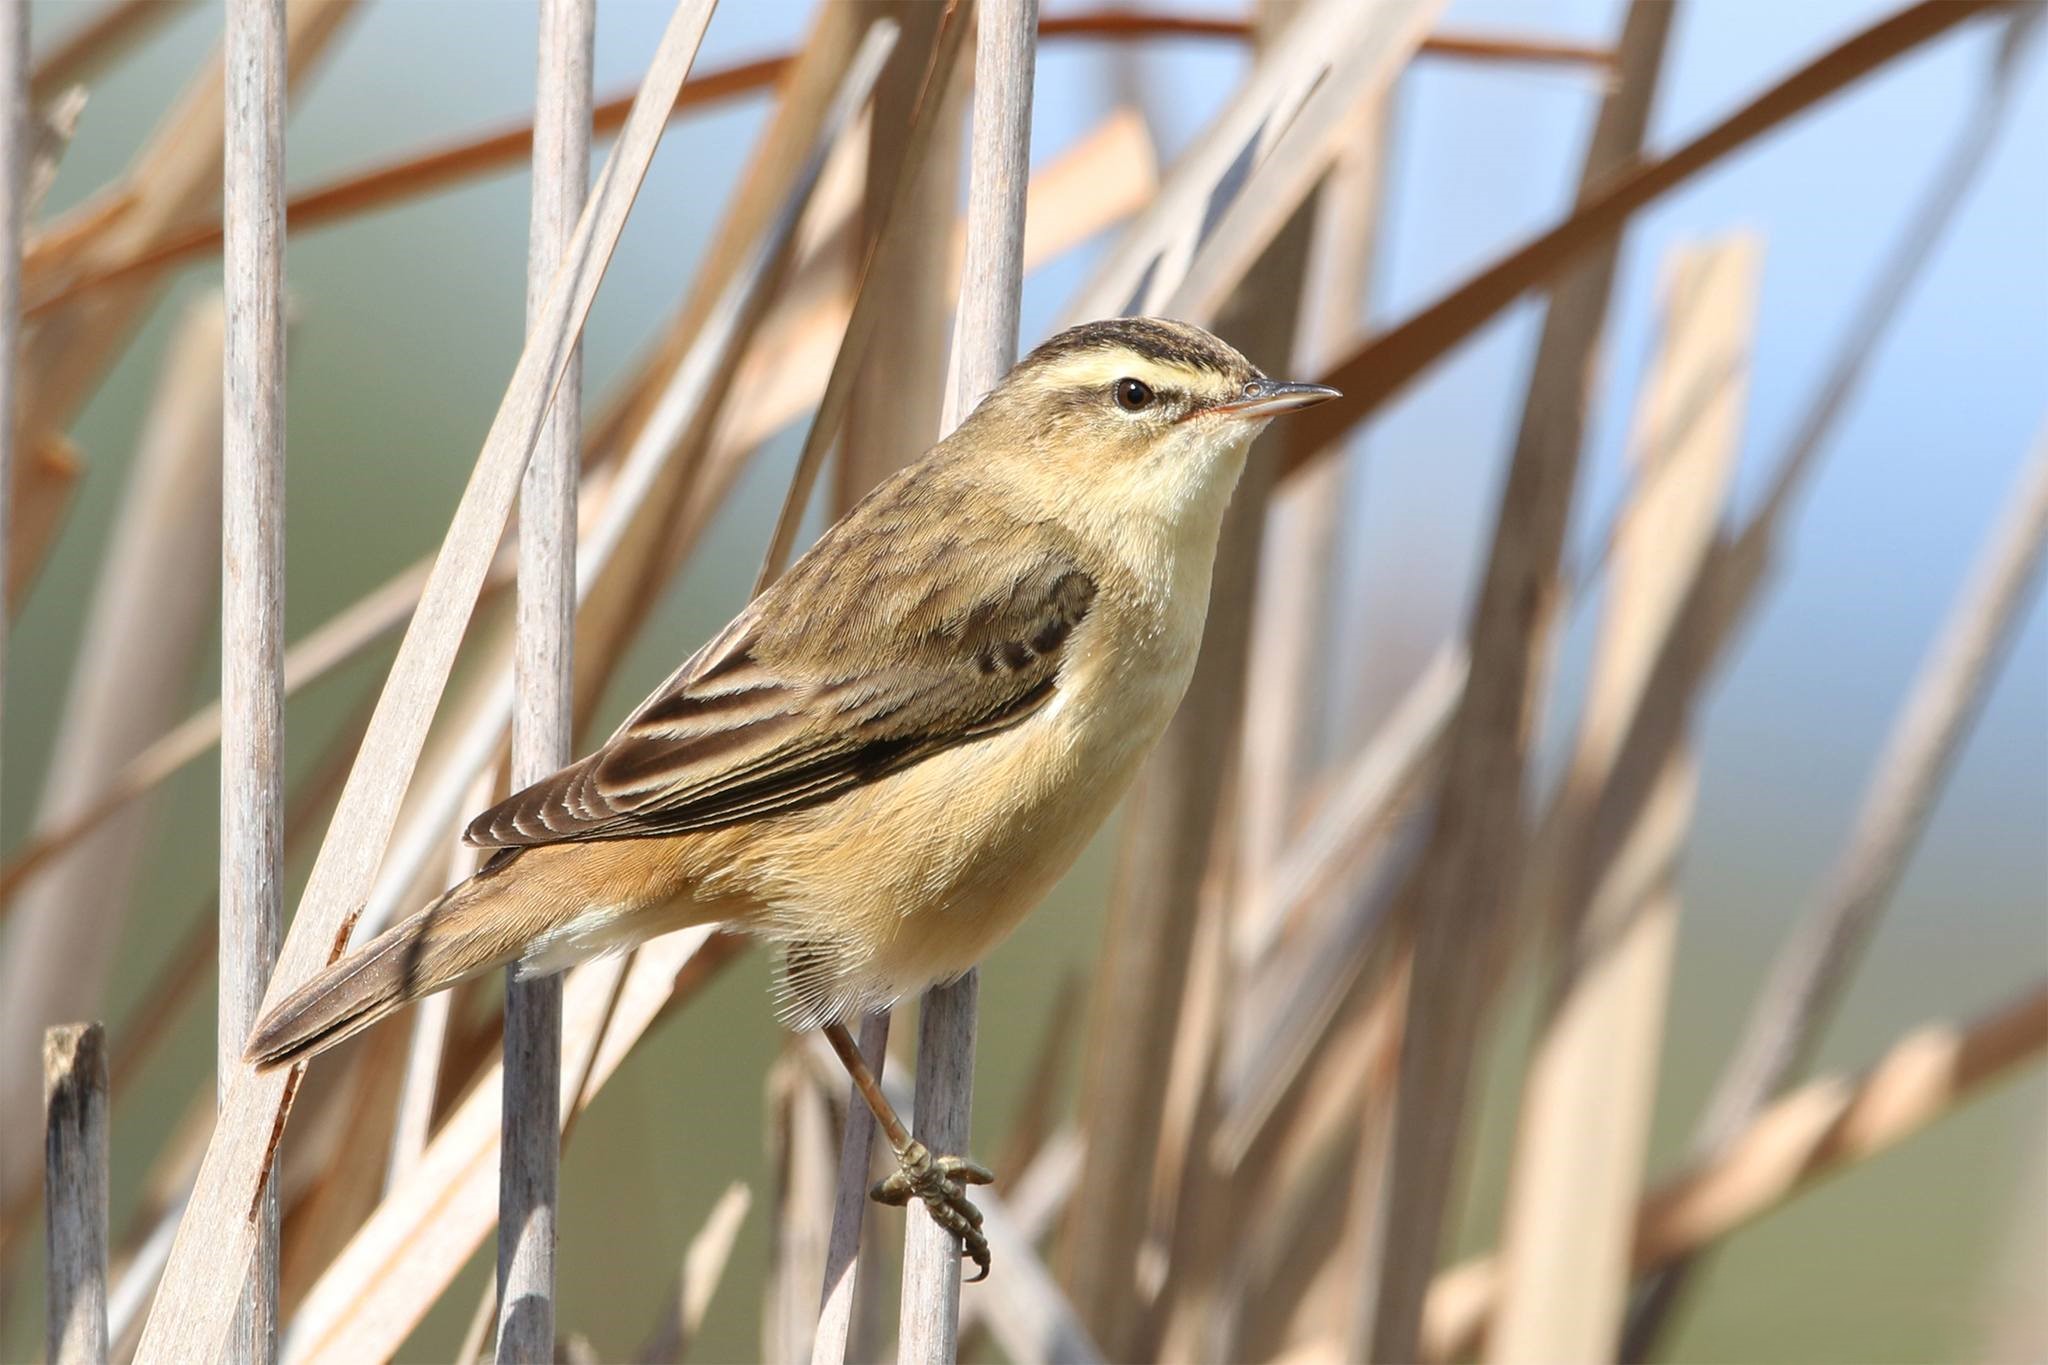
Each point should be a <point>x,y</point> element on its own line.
<point>889,756</point>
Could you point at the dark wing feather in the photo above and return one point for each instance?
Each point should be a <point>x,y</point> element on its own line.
<point>801,700</point>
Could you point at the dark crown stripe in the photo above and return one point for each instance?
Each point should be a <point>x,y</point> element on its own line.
<point>1165,342</point>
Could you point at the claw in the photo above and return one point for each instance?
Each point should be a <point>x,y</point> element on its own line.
<point>941,1181</point>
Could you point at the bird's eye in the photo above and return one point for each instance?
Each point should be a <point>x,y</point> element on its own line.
<point>1133,395</point>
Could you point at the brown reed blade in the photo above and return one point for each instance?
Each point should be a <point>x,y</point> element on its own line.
<point>880,263</point>
<point>149,614</point>
<point>675,507</point>
<point>44,477</point>
<point>1172,817</point>
<point>97,42</point>
<point>1875,313</point>
<point>1296,608</point>
<point>1387,363</point>
<point>455,162</point>
<point>190,1315</point>
<point>173,179</point>
<point>1611,939</point>
<point>1813,969</point>
<point>889,422</point>
<point>1465,871</point>
<point>1810,1134</point>
<point>342,638</point>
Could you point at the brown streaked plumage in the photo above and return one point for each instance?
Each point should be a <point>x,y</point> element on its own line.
<point>888,757</point>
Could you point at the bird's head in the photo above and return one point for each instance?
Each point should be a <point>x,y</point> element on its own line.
<point>1138,415</point>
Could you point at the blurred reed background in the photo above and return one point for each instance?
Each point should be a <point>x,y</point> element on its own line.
<point>1721,866</point>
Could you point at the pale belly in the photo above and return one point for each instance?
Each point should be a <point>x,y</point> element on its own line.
<point>911,881</point>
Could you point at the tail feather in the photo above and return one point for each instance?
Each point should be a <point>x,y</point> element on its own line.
<point>463,934</point>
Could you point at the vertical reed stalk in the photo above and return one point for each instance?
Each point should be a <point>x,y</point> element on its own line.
<point>984,349</point>
<point>75,1193</point>
<point>530,1154</point>
<point>252,586</point>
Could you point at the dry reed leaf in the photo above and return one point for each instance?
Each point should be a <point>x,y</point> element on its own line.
<point>97,42</point>
<point>342,638</point>
<point>172,180</point>
<point>151,610</point>
<point>1803,1138</point>
<point>669,518</point>
<point>804,1171</point>
<point>1386,364</point>
<point>1747,558</point>
<point>453,163</point>
<point>196,1301</point>
<point>1164,263</point>
<point>1363,799</point>
<point>889,424</point>
<point>1295,150</point>
<point>1199,1203</point>
<point>1295,612</point>
<point>1152,257</point>
<point>1573,1184</point>
<point>884,260</point>
<point>333,1318</point>
<point>370,1297</point>
<point>1466,869</point>
<point>1098,182</point>
<point>43,479</point>
<point>1814,967</point>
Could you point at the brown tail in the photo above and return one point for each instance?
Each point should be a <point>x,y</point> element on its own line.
<point>468,931</point>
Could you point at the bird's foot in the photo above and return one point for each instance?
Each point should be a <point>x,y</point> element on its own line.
<point>941,1182</point>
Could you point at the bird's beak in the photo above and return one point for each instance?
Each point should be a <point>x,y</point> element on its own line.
<point>1269,398</point>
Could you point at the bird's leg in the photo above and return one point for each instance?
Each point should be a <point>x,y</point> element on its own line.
<point>940,1181</point>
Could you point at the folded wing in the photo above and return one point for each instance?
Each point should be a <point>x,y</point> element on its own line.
<point>846,672</point>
